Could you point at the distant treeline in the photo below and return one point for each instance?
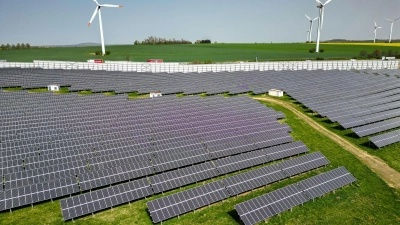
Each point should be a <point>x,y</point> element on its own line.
<point>207,41</point>
<point>13,46</point>
<point>363,41</point>
<point>161,41</point>
<point>377,54</point>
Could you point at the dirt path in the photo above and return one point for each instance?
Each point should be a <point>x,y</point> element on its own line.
<point>377,165</point>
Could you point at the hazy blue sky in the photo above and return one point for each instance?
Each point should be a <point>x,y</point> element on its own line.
<point>54,22</point>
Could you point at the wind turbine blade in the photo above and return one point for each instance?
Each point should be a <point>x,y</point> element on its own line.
<point>114,6</point>
<point>322,17</point>
<point>388,20</point>
<point>308,17</point>
<point>315,18</point>
<point>375,23</point>
<point>379,27</point>
<point>96,2</point>
<point>319,2</point>
<point>327,2</point>
<point>397,19</point>
<point>94,14</point>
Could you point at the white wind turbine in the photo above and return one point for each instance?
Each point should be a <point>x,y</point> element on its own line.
<point>320,20</point>
<point>391,28</point>
<point>308,34</point>
<point>97,10</point>
<point>310,30</point>
<point>376,28</point>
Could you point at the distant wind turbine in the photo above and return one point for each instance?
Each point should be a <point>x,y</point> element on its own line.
<point>391,28</point>
<point>310,30</point>
<point>376,28</point>
<point>308,34</point>
<point>97,10</point>
<point>320,20</point>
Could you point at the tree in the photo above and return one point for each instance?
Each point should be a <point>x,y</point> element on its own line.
<point>8,46</point>
<point>23,46</point>
<point>18,46</point>
<point>28,46</point>
<point>390,53</point>
<point>136,42</point>
<point>12,46</point>
<point>377,53</point>
<point>3,47</point>
<point>363,53</point>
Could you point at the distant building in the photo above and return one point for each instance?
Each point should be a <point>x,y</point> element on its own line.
<point>275,92</point>
<point>53,87</point>
<point>155,94</point>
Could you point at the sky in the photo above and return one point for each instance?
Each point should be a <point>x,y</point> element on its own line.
<point>56,22</point>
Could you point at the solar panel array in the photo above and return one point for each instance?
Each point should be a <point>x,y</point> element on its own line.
<point>359,99</point>
<point>58,145</point>
<point>278,201</point>
<point>189,200</point>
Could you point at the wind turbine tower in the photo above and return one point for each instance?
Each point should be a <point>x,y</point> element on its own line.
<point>376,28</point>
<point>97,10</point>
<point>391,28</point>
<point>310,30</point>
<point>320,20</point>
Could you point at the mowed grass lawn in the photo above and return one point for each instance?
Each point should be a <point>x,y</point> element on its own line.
<point>368,201</point>
<point>189,53</point>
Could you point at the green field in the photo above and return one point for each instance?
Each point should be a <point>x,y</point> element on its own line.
<point>368,201</point>
<point>201,52</point>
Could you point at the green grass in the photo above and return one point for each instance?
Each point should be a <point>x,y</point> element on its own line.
<point>9,89</point>
<point>109,93</point>
<point>189,53</point>
<point>38,90</point>
<point>368,201</point>
<point>135,95</point>
<point>87,92</point>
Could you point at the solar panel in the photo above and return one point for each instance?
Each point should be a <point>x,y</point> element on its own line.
<point>105,198</point>
<point>266,175</point>
<point>303,163</point>
<point>177,204</point>
<point>386,139</point>
<point>275,202</point>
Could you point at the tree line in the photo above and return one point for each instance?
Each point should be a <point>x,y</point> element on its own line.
<point>161,41</point>
<point>377,54</point>
<point>17,46</point>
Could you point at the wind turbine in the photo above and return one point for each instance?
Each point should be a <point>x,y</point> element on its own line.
<point>97,10</point>
<point>308,34</point>
<point>391,28</point>
<point>320,20</point>
<point>376,28</point>
<point>311,23</point>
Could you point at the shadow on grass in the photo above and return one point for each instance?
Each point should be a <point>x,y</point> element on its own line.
<point>235,216</point>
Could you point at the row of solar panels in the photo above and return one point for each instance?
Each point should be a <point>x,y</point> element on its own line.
<point>278,201</point>
<point>71,207</point>
<point>128,107</point>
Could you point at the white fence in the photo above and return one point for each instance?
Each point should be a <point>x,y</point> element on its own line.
<point>188,68</point>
